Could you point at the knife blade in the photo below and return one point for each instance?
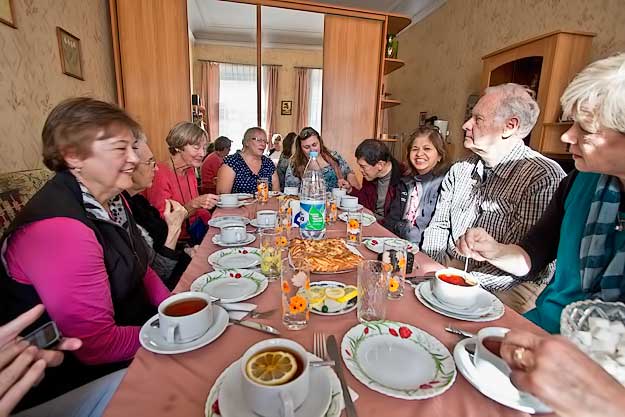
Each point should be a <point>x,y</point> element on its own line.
<point>255,325</point>
<point>333,353</point>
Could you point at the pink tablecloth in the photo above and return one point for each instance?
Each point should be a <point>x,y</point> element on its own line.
<point>177,385</point>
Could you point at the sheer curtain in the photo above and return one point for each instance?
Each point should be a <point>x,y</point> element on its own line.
<point>269,98</point>
<point>209,93</point>
<point>237,101</point>
<point>302,81</point>
<point>314,98</point>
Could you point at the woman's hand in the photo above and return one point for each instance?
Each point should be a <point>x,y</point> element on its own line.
<point>174,214</point>
<point>562,376</point>
<point>23,365</point>
<point>476,243</point>
<point>205,201</point>
<point>345,185</point>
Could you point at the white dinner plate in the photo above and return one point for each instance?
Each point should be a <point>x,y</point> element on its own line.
<point>331,307</point>
<point>376,244</point>
<point>235,258</point>
<point>325,398</point>
<point>367,219</point>
<point>358,207</point>
<point>231,285</point>
<point>398,360</point>
<point>151,339</point>
<point>224,220</point>
<point>423,293</point>
<point>249,239</point>
<point>518,400</point>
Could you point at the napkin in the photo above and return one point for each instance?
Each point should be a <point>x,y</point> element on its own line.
<point>238,315</point>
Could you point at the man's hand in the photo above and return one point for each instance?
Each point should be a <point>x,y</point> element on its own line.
<point>476,243</point>
<point>345,185</point>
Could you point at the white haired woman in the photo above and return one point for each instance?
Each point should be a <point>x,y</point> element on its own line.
<point>584,225</point>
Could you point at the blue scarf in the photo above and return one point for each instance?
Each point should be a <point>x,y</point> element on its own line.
<point>602,268</point>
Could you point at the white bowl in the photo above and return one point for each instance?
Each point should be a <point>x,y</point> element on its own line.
<point>455,295</point>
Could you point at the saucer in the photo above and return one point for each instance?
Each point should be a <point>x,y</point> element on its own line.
<point>483,305</point>
<point>518,400</point>
<point>224,220</point>
<point>237,205</point>
<point>231,285</point>
<point>424,295</point>
<point>317,403</point>
<point>376,244</point>
<point>367,219</point>
<point>358,207</point>
<point>151,339</point>
<point>255,224</point>
<point>217,241</point>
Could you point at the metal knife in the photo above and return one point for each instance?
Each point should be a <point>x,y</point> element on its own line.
<point>255,325</point>
<point>458,331</point>
<point>333,353</point>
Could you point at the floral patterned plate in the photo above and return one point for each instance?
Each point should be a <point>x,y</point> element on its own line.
<point>367,219</point>
<point>246,257</point>
<point>376,244</point>
<point>231,285</point>
<point>398,360</point>
<point>224,220</point>
<point>336,398</point>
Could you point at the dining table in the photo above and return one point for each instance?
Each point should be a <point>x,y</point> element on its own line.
<point>178,385</point>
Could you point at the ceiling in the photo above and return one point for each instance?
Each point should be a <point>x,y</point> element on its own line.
<point>235,23</point>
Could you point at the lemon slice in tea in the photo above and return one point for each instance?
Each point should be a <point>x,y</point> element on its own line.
<point>271,368</point>
<point>333,293</point>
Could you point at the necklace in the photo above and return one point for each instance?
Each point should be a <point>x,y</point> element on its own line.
<point>620,222</point>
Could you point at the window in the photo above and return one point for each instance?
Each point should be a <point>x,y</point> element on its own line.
<point>314,99</point>
<point>237,101</point>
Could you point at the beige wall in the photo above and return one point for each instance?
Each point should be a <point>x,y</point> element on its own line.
<point>287,58</point>
<point>31,81</point>
<point>443,52</point>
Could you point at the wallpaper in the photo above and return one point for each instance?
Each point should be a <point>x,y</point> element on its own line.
<point>286,58</point>
<point>31,80</point>
<point>443,52</point>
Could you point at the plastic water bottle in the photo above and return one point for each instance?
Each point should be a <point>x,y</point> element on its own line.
<point>313,201</point>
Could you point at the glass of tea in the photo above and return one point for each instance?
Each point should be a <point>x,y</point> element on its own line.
<point>272,243</point>
<point>372,289</point>
<point>354,227</point>
<point>294,286</point>
<point>262,190</point>
<point>395,258</point>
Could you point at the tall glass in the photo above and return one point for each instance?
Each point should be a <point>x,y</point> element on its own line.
<point>372,289</point>
<point>262,190</point>
<point>332,212</point>
<point>354,227</point>
<point>272,243</point>
<point>294,285</point>
<point>394,257</point>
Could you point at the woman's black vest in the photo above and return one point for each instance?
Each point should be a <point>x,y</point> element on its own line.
<point>125,259</point>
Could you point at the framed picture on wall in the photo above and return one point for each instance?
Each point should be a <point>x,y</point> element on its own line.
<point>286,107</point>
<point>69,52</point>
<point>7,16</point>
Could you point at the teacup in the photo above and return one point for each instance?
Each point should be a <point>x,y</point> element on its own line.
<point>456,295</point>
<point>185,317</point>
<point>291,190</point>
<point>338,193</point>
<point>488,361</point>
<point>276,400</point>
<point>229,200</point>
<point>233,233</point>
<point>266,218</point>
<point>347,201</point>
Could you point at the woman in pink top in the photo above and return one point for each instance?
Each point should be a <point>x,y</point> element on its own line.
<point>175,179</point>
<point>75,247</point>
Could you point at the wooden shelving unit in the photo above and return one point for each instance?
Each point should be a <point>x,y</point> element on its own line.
<point>392,64</point>
<point>396,23</point>
<point>386,104</point>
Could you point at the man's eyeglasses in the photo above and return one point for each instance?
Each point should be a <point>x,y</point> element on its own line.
<point>150,163</point>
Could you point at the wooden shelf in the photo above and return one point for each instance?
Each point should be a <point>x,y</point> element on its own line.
<point>391,64</point>
<point>397,23</point>
<point>390,103</point>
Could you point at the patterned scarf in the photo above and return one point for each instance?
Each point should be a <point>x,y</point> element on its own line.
<point>603,265</point>
<point>116,213</point>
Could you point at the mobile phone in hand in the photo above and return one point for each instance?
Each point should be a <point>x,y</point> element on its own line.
<point>45,336</point>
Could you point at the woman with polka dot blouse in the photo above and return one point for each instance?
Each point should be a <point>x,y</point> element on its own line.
<point>241,171</point>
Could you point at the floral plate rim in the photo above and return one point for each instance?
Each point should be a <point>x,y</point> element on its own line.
<point>213,258</point>
<point>259,279</point>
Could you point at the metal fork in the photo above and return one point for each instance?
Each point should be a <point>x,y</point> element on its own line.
<point>319,345</point>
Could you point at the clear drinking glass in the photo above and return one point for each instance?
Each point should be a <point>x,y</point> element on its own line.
<point>332,212</point>
<point>272,243</point>
<point>354,227</point>
<point>262,190</point>
<point>294,285</point>
<point>372,290</point>
<point>394,258</point>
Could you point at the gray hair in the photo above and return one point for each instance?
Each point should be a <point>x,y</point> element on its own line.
<point>516,101</point>
<point>183,134</point>
<point>249,134</point>
<point>599,91</point>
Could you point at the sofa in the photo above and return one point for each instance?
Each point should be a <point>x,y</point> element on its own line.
<point>16,188</point>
